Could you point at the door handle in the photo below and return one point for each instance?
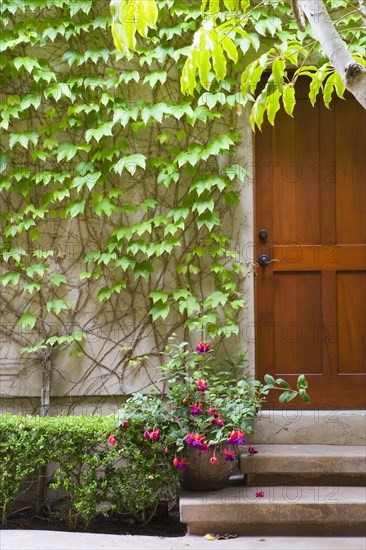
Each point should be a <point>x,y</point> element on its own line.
<point>264,260</point>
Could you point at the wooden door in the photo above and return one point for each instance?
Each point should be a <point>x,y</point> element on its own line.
<point>311,303</point>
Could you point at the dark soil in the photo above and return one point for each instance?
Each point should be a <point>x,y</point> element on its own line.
<point>164,524</point>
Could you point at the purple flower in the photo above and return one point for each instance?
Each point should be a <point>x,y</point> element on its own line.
<point>201,385</point>
<point>252,450</point>
<point>229,455</point>
<point>196,409</point>
<point>180,464</point>
<point>202,348</point>
<point>236,438</point>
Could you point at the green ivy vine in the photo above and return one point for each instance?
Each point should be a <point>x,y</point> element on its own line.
<point>114,189</point>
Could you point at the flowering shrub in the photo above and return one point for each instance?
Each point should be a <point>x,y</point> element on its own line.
<point>207,405</point>
<point>95,469</point>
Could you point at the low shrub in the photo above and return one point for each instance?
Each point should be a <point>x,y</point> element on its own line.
<point>129,476</point>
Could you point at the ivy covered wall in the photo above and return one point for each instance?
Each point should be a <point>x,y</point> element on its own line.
<point>118,201</point>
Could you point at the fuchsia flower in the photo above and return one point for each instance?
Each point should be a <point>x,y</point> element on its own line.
<point>229,455</point>
<point>195,440</point>
<point>155,434</point>
<point>201,385</point>
<point>218,422</point>
<point>202,348</point>
<point>212,411</point>
<point>236,438</point>
<point>112,440</point>
<point>196,409</point>
<point>180,464</point>
<point>125,425</point>
<point>252,450</point>
<point>259,494</point>
<point>214,460</point>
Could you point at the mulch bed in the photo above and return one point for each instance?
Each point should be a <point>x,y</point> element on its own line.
<point>164,524</point>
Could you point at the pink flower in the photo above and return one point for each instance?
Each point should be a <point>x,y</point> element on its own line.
<point>112,440</point>
<point>229,455</point>
<point>195,440</point>
<point>202,348</point>
<point>201,385</point>
<point>214,460</point>
<point>259,494</point>
<point>212,411</point>
<point>196,409</point>
<point>236,438</point>
<point>146,434</point>
<point>166,450</point>
<point>252,450</point>
<point>218,421</point>
<point>125,424</point>
<point>155,434</point>
<point>180,464</point>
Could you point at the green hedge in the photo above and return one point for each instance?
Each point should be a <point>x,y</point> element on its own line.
<point>130,477</point>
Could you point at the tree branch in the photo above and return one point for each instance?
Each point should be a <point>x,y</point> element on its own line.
<point>353,74</point>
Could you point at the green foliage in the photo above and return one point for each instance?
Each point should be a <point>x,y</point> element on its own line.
<point>231,33</point>
<point>94,476</point>
<point>225,400</point>
<point>102,144</point>
<point>22,451</point>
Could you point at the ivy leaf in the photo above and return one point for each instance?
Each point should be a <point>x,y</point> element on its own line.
<point>58,279</point>
<point>31,287</point>
<point>215,299</point>
<point>75,208</point>
<point>203,205</point>
<point>28,320</point>
<point>190,304</point>
<point>23,139</point>
<point>130,163</point>
<point>148,203</point>
<point>36,269</point>
<point>160,309</point>
<point>98,133</point>
<point>209,219</point>
<point>142,269</point>
<point>9,277</point>
<point>57,306</point>
<point>154,77</point>
<point>157,296</point>
<point>103,205</point>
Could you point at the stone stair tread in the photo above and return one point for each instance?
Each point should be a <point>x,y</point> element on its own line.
<point>238,503</point>
<point>313,459</point>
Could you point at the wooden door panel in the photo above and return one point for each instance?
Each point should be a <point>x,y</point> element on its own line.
<point>351,299</point>
<point>311,302</point>
<point>297,313</point>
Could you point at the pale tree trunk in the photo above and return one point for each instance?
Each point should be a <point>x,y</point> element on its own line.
<point>352,73</point>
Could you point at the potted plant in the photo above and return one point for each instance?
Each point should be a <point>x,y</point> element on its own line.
<point>203,414</point>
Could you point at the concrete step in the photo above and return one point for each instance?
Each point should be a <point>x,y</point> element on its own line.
<point>282,511</point>
<point>305,465</point>
<point>314,427</point>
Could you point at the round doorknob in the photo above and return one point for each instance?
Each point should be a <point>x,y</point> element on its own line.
<point>264,260</point>
<point>263,234</point>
